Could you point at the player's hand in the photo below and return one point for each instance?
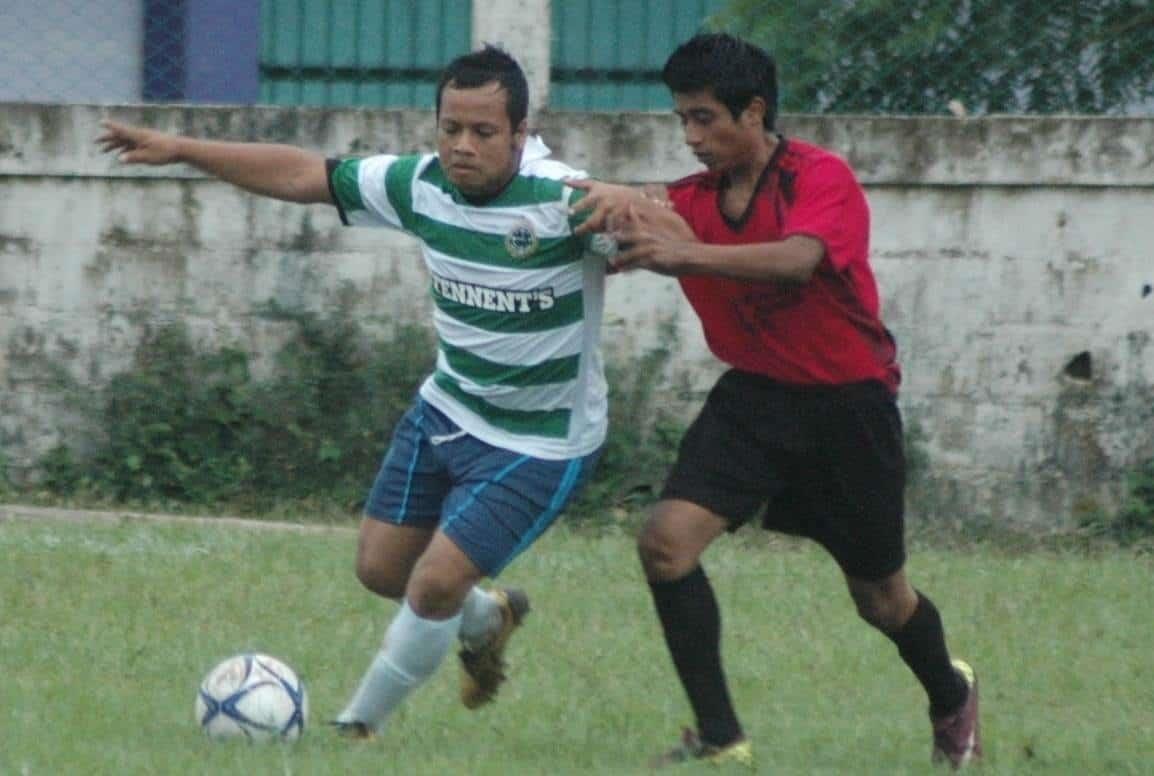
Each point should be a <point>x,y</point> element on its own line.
<point>137,145</point>
<point>604,203</point>
<point>653,238</point>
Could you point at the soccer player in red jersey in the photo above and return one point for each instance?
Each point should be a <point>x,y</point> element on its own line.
<point>771,246</point>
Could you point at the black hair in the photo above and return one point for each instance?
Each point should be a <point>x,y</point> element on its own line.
<point>734,70</point>
<point>485,66</point>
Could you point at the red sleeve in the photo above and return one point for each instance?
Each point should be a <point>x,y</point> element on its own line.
<point>830,206</point>
<point>681,197</point>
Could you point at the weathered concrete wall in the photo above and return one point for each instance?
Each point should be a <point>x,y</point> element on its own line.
<point>521,27</point>
<point>1005,248</point>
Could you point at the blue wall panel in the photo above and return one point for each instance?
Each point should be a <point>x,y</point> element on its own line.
<point>608,54</point>
<point>223,51</point>
<point>359,52</point>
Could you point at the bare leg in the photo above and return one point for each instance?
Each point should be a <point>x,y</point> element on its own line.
<point>424,628</point>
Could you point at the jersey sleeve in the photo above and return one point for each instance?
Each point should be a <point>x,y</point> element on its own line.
<point>372,191</point>
<point>681,197</point>
<point>572,196</point>
<point>829,205</point>
<point>598,243</point>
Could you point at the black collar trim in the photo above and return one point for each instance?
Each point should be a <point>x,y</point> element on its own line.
<point>774,160</point>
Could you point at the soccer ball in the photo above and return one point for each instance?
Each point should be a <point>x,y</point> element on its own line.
<point>252,696</point>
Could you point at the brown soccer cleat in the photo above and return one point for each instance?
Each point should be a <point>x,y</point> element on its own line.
<point>483,668</point>
<point>957,736</point>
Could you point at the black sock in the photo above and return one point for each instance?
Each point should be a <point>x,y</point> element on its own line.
<point>691,620</point>
<point>922,644</point>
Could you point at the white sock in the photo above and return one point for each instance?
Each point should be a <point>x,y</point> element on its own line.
<point>480,617</point>
<point>412,650</point>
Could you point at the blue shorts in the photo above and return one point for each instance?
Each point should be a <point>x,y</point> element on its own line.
<point>493,503</point>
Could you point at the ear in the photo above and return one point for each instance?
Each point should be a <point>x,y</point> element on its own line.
<point>520,134</point>
<point>754,113</point>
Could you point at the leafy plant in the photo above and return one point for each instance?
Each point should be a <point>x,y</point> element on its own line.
<point>196,427</point>
<point>642,441</point>
<point>1031,56</point>
<point>174,423</point>
<point>189,427</point>
<point>61,474</point>
<point>1133,522</point>
<point>5,482</point>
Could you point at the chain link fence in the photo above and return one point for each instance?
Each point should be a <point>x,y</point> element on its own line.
<point>964,56</point>
<point>971,57</point>
<point>129,51</point>
<point>70,51</point>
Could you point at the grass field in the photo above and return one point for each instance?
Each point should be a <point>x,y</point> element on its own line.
<point>106,628</point>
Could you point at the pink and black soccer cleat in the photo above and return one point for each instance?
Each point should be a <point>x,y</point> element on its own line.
<point>957,736</point>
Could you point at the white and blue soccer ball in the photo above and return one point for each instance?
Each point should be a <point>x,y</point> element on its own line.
<point>254,697</point>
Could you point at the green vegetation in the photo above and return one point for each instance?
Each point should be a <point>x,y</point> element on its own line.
<point>190,427</point>
<point>5,483</point>
<point>1028,56</point>
<point>1136,518</point>
<point>642,442</point>
<point>108,627</point>
<point>1133,523</point>
<point>187,429</point>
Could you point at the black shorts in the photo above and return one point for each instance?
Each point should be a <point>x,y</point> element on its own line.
<point>826,462</point>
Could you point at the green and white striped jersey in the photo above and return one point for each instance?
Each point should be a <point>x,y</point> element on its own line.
<point>518,298</point>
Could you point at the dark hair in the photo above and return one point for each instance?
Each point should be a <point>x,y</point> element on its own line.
<point>735,71</point>
<point>490,64</point>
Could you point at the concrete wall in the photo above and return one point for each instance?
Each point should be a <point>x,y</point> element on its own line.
<point>517,26</point>
<point>1006,249</point>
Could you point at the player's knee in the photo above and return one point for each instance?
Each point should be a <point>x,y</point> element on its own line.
<point>434,598</point>
<point>886,603</point>
<point>379,581</point>
<point>883,612</point>
<point>661,558</point>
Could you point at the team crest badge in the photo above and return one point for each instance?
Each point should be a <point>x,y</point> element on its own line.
<point>521,241</point>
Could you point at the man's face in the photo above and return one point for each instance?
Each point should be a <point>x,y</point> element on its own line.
<point>717,139</point>
<point>479,150</point>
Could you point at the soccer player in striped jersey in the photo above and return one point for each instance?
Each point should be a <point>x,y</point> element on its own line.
<point>508,427</point>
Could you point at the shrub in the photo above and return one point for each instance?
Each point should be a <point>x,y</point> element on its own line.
<point>198,428</point>
<point>642,441</point>
<point>1135,520</point>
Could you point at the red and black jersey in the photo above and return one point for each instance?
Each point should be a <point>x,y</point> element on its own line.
<point>825,332</point>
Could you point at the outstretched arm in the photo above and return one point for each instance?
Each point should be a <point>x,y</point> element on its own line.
<point>279,171</point>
